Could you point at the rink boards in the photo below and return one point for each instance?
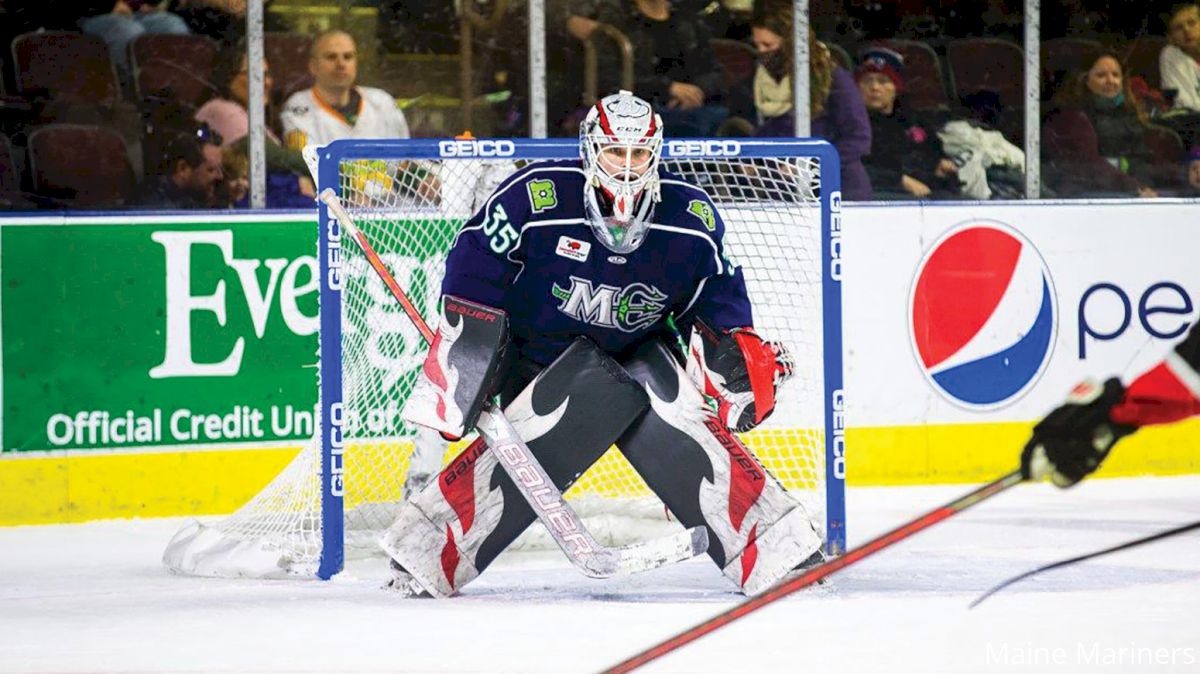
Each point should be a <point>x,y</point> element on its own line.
<point>164,365</point>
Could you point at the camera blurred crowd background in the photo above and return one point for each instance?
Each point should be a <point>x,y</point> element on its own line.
<point>138,104</point>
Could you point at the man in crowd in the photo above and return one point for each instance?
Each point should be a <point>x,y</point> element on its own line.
<point>335,107</point>
<point>190,175</point>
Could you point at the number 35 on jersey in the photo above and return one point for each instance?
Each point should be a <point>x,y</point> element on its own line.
<point>497,226</point>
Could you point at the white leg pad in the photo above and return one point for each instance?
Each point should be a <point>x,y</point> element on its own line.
<point>427,552</point>
<point>774,552</point>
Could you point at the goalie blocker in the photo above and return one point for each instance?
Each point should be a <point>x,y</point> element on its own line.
<point>460,368</point>
<point>569,415</point>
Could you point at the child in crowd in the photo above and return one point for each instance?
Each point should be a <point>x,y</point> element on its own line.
<point>1192,163</point>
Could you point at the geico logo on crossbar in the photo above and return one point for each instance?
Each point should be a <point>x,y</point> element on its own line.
<point>477,148</point>
<point>706,148</point>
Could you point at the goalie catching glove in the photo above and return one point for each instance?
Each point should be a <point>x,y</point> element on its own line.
<point>460,371</point>
<point>740,371</point>
<point>1072,441</point>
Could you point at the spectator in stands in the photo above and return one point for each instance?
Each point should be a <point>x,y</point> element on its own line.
<point>221,20</point>
<point>726,19</point>
<point>1192,162</point>
<point>120,22</point>
<point>674,68</point>
<point>227,114</point>
<point>235,183</point>
<point>906,157</point>
<point>190,174</point>
<point>836,107</point>
<point>1179,62</point>
<point>1094,137</point>
<point>283,190</point>
<point>335,107</point>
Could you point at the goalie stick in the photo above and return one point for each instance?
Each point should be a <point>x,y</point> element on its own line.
<point>816,573</point>
<point>547,502</point>
<point>1091,555</point>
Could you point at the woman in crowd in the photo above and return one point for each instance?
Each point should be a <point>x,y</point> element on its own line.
<point>1095,137</point>
<point>287,174</point>
<point>836,108</point>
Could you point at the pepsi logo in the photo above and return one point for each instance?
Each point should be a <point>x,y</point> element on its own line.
<point>982,315</point>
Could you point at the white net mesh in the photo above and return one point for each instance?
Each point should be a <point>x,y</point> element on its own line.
<point>410,210</point>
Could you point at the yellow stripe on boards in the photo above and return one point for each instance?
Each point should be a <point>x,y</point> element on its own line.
<point>76,487</point>
<point>968,453</point>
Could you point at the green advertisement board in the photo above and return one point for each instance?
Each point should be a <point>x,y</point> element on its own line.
<point>124,332</point>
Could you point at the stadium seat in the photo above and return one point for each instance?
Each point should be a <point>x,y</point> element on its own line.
<point>735,59</point>
<point>80,166</point>
<point>1068,55</point>
<point>840,55</point>
<point>177,65</point>
<point>1141,58</point>
<point>924,80</point>
<point>1166,145</point>
<point>1064,57</point>
<point>287,55</point>
<point>64,66</point>
<point>10,179</point>
<point>1168,150</point>
<point>988,64</point>
<point>11,196</point>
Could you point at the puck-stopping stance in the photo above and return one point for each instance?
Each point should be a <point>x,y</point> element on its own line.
<point>556,297</point>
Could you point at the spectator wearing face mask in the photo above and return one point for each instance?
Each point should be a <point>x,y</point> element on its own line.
<point>836,107</point>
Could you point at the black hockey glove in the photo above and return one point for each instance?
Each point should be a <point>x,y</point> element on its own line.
<point>1072,441</point>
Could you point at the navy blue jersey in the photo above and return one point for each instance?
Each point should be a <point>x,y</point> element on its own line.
<point>530,252</point>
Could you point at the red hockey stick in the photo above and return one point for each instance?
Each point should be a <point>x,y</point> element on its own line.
<point>818,572</point>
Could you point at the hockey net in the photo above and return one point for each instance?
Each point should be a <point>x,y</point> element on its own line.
<point>779,203</point>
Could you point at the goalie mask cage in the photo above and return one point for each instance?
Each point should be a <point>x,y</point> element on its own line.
<point>780,200</point>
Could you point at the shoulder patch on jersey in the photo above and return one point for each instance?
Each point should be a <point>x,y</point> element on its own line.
<point>542,196</point>
<point>703,210</point>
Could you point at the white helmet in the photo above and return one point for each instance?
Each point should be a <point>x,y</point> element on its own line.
<point>621,138</point>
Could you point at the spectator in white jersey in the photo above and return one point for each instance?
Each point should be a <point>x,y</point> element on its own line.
<point>335,107</point>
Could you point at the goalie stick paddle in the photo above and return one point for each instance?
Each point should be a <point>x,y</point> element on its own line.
<point>563,523</point>
<point>816,573</point>
<point>1091,555</point>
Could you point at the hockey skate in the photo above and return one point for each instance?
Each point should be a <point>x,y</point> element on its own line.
<point>403,584</point>
<point>814,560</point>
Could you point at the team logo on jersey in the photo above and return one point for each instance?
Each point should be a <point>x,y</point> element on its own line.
<point>982,315</point>
<point>541,195</point>
<point>573,249</point>
<point>703,210</point>
<point>627,309</point>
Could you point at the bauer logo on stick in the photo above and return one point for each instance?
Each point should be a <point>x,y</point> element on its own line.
<point>982,315</point>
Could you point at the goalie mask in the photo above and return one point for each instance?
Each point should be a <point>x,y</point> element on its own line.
<point>621,138</point>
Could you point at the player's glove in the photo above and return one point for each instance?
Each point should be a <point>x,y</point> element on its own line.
<point>1072,441</point>
<point>739,370</point>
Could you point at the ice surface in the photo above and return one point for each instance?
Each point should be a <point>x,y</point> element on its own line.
<point>95,598</point>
